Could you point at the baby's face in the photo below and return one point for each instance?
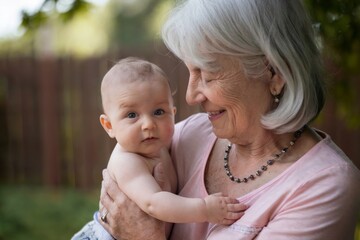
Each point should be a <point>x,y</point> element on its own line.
<point>142,116</point>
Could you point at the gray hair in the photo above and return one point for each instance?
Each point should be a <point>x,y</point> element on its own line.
<point>259,33</point>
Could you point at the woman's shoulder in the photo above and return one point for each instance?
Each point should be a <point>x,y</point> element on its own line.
<point>197,118</point>
<point>193,135</point>
<point>327,162</point>
<point>198,123</point>
<point>196,127</point>
<point>329,153</point>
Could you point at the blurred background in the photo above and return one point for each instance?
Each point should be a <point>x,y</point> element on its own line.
<point>53,55</point>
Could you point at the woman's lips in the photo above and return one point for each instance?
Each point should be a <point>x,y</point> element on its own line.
<point>215,115</point>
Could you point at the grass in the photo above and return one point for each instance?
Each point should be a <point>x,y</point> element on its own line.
<point>34,213</point>
<point>38,213</point>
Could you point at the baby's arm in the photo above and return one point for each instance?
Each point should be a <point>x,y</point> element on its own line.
<point>134,178</point>
<point>214,208</point>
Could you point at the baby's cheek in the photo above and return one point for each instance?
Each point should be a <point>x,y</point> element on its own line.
<point>169,133</point>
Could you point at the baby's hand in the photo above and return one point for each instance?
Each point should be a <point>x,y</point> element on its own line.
<point>222,209</point>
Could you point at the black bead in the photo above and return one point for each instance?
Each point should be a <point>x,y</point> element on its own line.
<point>245,180</point>
<point>251,177</point>
<point>264,168</point>
<point>298,133</point>
<point>270,162</point>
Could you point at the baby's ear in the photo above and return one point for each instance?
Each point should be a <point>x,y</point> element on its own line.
<point>106,124</point>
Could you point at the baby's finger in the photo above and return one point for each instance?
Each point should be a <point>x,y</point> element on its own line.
<point>228,221</point>
<point>236,207</point>
<point>234,215</point>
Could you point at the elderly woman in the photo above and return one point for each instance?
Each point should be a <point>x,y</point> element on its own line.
<point>255,70</point>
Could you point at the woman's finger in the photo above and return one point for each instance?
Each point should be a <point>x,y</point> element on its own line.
<point>161,178</point>
<point>111,187</point>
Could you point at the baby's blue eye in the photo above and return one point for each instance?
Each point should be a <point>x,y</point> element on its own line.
<point>159,112</point>
<point>131,115</point>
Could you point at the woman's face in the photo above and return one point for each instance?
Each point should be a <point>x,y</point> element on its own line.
<point>234,102</point>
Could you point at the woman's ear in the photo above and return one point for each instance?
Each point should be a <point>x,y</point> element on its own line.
<point>106,124</point>
<point>276,84</point>
<point>174,109</point>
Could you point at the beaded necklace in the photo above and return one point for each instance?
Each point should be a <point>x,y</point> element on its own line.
<point>263,168</point>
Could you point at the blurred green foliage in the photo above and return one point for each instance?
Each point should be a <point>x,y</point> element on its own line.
<point>338,24</point>
<point>37,213</point>
<point>133,22</point>
<point>31,21</point>
<point>120,24</point>
<point>60,28</point>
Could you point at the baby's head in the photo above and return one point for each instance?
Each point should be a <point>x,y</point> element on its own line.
<point>129,70</point>
<point>138,106</point>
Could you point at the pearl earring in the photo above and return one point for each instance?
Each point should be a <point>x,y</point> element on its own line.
<point>276,97</point>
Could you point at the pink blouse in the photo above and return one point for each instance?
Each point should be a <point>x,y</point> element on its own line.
<point>317,197</point>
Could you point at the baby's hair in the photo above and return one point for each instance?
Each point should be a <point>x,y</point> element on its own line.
<point>128,70</point>
<point>141,67</point>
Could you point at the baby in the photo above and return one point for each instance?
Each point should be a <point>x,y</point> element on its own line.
<point>139,112</point>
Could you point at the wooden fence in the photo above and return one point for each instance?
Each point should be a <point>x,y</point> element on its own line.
<point>50,132</point>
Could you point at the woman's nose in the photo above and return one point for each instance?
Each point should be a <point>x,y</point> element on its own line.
<point>194,94</point>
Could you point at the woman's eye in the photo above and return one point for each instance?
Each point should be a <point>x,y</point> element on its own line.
<point>131,115</point>
<point>159,112</point>
<point>209,76</point>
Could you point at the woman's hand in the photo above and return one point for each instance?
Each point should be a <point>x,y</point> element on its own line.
<point>125,220</point>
